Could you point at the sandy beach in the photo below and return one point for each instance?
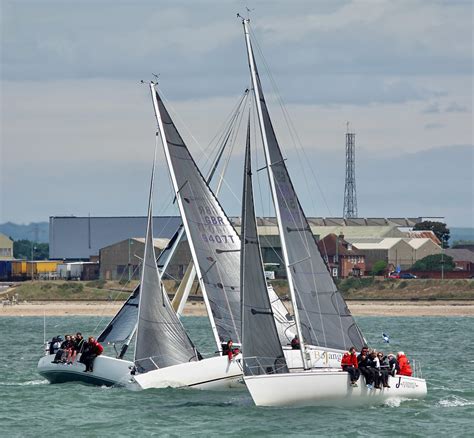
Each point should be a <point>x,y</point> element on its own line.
<point>358,308</point>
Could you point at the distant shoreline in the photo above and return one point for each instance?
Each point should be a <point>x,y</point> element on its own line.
<point>358,308</point>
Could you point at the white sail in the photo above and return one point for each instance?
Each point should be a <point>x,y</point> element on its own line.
<point>214,244</point>
<point>322,316</point>
<point>161,340</point>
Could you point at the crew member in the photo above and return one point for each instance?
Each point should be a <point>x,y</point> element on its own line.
<point>404,364</point>
<point>92,349</point>
<point>349,363</point>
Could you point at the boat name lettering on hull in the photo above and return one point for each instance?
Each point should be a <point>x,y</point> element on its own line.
<point>405,384</point>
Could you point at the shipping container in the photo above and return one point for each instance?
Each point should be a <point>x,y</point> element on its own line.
<point>19,269</point>
<point>44,266</point>
<point>69,271</point>
<point>5,270</point>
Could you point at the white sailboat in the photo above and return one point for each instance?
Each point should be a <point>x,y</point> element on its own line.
<point>321,314</point>
<point>215,249</point>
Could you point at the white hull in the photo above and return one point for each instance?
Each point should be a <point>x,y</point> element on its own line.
<point>327,388</point>
<point>107,371</point>
<point>215,373</point>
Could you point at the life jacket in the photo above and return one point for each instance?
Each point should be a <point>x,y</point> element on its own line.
<point>349,359</point>
<point>404,364</point>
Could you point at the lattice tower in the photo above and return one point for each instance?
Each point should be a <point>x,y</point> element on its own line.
<point>350,194</point>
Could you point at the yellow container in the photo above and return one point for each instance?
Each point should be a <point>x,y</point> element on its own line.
<point>44,266</point>
<point>19,268</point>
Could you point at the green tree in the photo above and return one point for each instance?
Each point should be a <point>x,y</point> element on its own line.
<point>24,249</point>
<point>439,228</point>
<point>379,267</point>
<point>434,263</point>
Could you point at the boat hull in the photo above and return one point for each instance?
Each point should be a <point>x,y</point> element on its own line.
<point>214,373</point>
<point>327,388</point>
<point>107,371</point>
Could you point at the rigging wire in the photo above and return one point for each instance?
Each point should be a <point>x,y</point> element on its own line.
<point>203,151</point>
<point>304,237</point>
<point>291,127</point>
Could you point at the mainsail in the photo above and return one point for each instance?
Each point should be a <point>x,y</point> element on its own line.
<point>214,243</point>
<point>325,319</point>
<point>261,346</point>
<point>161,339</point>
<point>122,326</point>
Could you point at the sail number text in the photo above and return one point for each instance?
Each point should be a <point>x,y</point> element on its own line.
<point>213,228</point>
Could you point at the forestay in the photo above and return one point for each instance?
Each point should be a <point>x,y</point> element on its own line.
<point>324,316</point>
<point>161,339</point>
<point>212,237</point>
<point>261,346</point>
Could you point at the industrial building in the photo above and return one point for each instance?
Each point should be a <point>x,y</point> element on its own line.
<point>463,259</point>
<point>79,238</point>
<point>121,260</point>
<point>397,252</point>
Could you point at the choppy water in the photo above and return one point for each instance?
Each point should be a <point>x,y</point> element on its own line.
<point>29,406</point>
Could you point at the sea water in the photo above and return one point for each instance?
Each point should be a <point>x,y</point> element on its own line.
<point>30,406</point>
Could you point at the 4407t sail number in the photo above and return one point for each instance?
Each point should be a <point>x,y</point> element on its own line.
<point>217,238</point>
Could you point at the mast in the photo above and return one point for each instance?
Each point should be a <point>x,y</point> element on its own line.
<point>271,178</point>
<point>183,216</point>
<point>146,249</point>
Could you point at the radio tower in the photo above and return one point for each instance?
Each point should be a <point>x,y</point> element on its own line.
<point>350,196</point>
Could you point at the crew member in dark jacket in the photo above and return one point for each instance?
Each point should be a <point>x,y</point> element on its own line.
<point>384,369</point>
<point>393,364</point>
<point>364,367</point>
<point>374,365</point>
<point>63,353</point>
<point>78,346</point>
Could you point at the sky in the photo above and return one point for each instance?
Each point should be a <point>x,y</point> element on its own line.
<point>78,130</point>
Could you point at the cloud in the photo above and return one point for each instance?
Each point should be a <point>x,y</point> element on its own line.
<point>72,109</point>
<point>433,108</point>
<point>456,108</point>
<point>433,126</point>
<point>332,46</point>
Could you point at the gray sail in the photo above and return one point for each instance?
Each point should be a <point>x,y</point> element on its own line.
<point>325,318</point>
<point>215,242</point>
<point>161,339</point>
<point>261,346</point>
<point>124,322</point>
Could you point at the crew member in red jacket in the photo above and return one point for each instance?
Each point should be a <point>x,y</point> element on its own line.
<point>92,349</point>
<point>349,364</point>
<point>229,350</point>
<point>404,364</point>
